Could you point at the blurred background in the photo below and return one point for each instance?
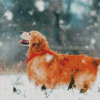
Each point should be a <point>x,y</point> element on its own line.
<point>70,26</point>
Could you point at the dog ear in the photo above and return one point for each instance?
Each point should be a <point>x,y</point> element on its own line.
<point>35,41</point>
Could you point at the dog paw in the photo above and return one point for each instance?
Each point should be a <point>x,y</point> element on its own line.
<point>43,87</point>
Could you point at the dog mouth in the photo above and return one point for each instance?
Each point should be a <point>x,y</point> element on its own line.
<point>24,42</point>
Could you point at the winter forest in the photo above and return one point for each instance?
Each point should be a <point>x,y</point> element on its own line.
<point>70,27</point>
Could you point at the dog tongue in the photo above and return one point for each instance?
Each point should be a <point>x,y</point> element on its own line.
<point>20,41</point>
<point>25,41</point>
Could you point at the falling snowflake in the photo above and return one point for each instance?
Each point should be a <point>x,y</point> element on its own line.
<point>99,4</point>
<point>40,5</point>
<point>61,21</point>
<point>83,61</point>
<point>0,43</point>
<point>15,25</point>
<point>67,53</point>
<point>91,2</point>
<point>78,34</point>
<point>95,24</point>
<point>93,41</point>
<point>31,12</point>
<point>91,20</point>
<point>8,15</point>
<point>84,1</point>
<point>10,24</point>
<point>33,23</point>
<point>86,47</point>
<point>77,9</point>
<point>8,37</point>
<point>21,12</point>
<point>88,28</point>
<point>65,73</point>
<point>93,13</point>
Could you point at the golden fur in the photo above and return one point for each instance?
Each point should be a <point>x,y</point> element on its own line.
<point>60,68</point>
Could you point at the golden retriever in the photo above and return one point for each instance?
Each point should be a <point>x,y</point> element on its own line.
<point>48,68</point>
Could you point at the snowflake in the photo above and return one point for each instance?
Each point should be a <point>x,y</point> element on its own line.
<point>78,34</point>
<point>8,15</point>
<point>30,12</point>
<point>0,43</point>
<point>65,73</point>
<point>21,12</point>
<point>95,24</point>
<point>33,23</point>
<point>83,61</point>
<point>99,4</point>
<point>93,41</point>
<point>91,20</point>
<point>10,24</point>
<point>91,2</point>
<point>84,1</point>
<point>15,25</point>
<point>78,10</point>
<point>86,47</point>
<point>40,5</point>
<point>93,13</point>
<point>67,53</point>
<point>61,21</point>
<point>8,37</point>
<point>88,28</point>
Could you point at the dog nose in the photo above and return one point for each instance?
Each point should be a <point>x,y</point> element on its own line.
<point>21,32</point>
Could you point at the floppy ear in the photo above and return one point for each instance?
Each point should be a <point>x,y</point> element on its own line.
<point>34,41</point>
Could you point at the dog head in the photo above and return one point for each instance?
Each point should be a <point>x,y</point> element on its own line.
<point>33,39</point>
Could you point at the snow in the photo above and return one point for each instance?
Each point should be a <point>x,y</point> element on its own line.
<point>10,24</point>
<point>78,34</point>
<point>93,41</point>
<point>26,91</point>
<point>21,12</point>
<point>8,15</point>
<point>93,13</point>
<point>0,43</point>
<point>95,24</point>
<point>88,28</point>
<point>85,1</point>
<point>99,4</point>
<point>33,24</point>
<point>83,61</point>
<point>86,47</point>
<point>61,21</point>
<point>90,2</point>
<point>8,37</point>
<point>49,57</point>
<point>78,10</point>
<point>39,4</point>
<point>31,12</point>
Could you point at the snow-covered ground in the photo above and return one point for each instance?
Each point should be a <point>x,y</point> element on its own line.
<point>17,87</point>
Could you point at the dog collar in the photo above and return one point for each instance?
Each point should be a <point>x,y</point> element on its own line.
<point>37,54</point>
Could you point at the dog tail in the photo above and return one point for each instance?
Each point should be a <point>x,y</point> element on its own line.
<point>97,62</point>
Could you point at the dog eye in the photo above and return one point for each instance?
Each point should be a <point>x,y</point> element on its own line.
<point>29,33</point>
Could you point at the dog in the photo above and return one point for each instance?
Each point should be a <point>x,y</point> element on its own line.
<point>48,68</point>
